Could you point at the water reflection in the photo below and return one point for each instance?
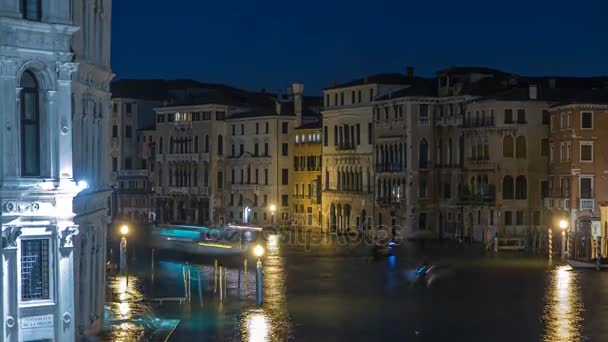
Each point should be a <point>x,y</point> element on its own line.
<point>271,322</point>
<point>129,317</point>
<point>563,306</point>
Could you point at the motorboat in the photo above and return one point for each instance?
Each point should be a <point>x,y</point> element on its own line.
<point>228,240</point>
<point>588,264</point>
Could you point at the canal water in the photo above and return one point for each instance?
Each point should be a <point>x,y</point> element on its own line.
<point>328,292</point>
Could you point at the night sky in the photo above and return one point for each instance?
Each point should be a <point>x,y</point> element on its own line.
<point>257,44</point>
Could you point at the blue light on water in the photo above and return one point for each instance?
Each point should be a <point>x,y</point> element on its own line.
<point>392,261</point>
<point>179,233</point>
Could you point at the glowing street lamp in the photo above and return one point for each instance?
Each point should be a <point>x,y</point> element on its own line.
<point>259,251</point>
<point>563,225</point>
<point>124,230</point>
<point>272,210</point>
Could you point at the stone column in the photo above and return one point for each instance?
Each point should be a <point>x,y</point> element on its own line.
<point>10,319</point>
<point>65,323</point>
<point>8,127</point>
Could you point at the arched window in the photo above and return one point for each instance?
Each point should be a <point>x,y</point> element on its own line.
<point>520,147</point>
<point>507,147</point>
<point>160,145</point>
<point>31,9</point>
<point>206,144</point>
<point>30,125</point>
<point>521,188</point>
<point>220,145</point>
<point>423,155</point>
<point>507,187</point>
<point>196,144</point>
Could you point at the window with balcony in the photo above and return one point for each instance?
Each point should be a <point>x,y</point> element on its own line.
<point>586,187</point>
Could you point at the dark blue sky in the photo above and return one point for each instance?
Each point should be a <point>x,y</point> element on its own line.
<point>268,44</point>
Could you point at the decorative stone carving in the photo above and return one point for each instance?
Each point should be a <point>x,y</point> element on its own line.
<point>64,126</point>
<point>8,207</point>
<point>8,67</point>
<point>66,70</point>
<point>9,236</point>
<point>67,235</point>
<point>10,322</point>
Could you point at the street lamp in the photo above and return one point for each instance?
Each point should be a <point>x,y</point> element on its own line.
<point>124,230</point>
<point>258,251</point>
<point>272,209</point>
<point>563,225</point>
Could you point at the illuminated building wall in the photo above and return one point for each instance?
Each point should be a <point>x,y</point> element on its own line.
<point>306,174</point>
<point>38,77</point>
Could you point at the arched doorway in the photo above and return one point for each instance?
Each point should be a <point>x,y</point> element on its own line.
<point>340,219</point>
<point>332,218</point>
<point>363,220</point>
<point>347,210</point>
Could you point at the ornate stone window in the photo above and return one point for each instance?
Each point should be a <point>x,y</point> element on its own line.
<point>35,281</point>
<point>30,125</point>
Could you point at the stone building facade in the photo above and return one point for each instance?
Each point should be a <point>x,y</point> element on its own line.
<point>306,174</point>
<point>505,165</point>
<point>54,85</point>
<point>348,159</point>
<point>577,168</point>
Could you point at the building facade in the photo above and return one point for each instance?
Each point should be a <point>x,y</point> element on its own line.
<point>37,79</point>
<point>577,178</point>
<point>225,157</point>
<point>306,174</point>
<point>348,159</point>
<point>506,165</point>
<point>91,112</point>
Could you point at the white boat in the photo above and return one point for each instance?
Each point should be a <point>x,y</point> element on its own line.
<point>590,264</point>
<point>199,240</point>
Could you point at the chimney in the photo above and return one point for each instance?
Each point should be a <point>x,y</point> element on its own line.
<point>533,92</point>
<point>277,104</point>
<point>410,72</point>
<point>297,90</point>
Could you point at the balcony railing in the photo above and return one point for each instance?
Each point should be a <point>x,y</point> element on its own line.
<point>587,204</point>
<point>387,202</point>
<point>187,157</point>
<point>133,173</point>
<point>389,167</point>
<point>345,146</point>
<point>556,203</point>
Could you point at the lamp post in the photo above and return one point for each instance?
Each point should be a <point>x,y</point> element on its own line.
<point>272,209</point>
<point>124,230</point>
<point>563,225</point>
<point>259,251</point>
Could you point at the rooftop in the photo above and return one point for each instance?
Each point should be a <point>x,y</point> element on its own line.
<point>391,78</point>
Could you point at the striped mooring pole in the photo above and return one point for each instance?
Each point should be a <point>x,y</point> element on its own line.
<point>550,243</point>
